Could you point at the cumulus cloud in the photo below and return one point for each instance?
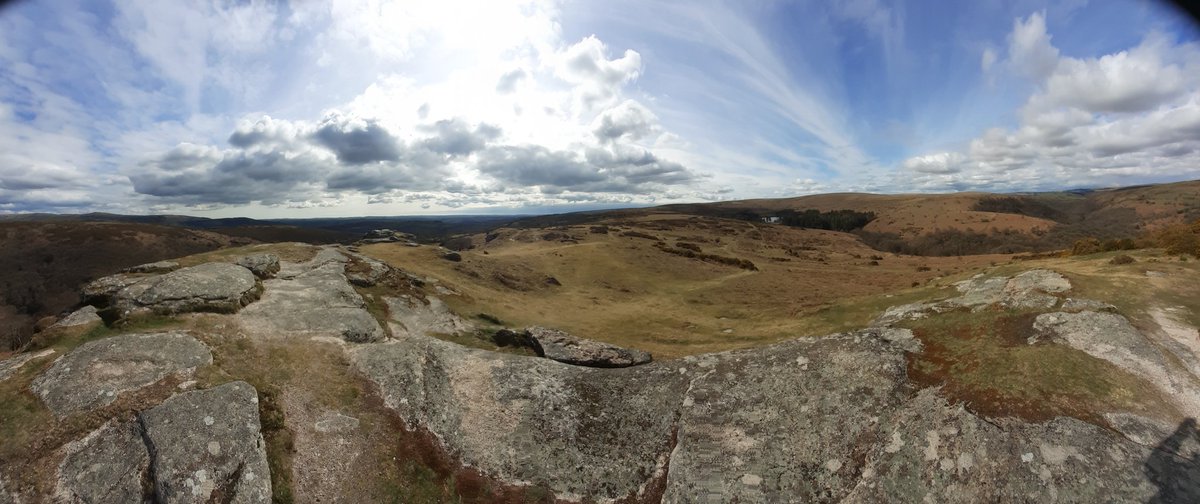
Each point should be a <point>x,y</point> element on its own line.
<point>455,137</point>
<point>629,120</point>
<point>1029,47</point>
<point>357,141</point>
<point>276,162</point>
<point>1128,116</point>
<point>597,78</point>
<point>941,163</point>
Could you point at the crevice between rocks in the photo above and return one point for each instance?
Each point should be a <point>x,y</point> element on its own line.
<point>150,480</point>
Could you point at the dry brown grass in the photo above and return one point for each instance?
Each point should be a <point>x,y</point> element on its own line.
<point>622,289</point>
<point>909,215</point>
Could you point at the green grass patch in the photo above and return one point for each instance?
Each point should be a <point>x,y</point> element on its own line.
<point>984,360</point>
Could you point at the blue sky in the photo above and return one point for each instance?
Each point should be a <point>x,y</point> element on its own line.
<point>367,107</point>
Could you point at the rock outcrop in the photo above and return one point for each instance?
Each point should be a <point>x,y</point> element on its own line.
<point>263,266</point>
<point>813,419</point>
<point>109,465</point>
<point>312,299</point>
<point>207,446</point>
<point>208,287</point>
<point>564,347</point>
<point>1033,289</point>
<point>85,316</point>
<point>387,236</point>
<point>196,447</point>
<point>368,272</point>
<point>154,267</point>
<point>95,373</point>
<point>419,317</point>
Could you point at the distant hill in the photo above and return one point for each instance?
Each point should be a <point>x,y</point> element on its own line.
<point>960,223</point>
<point>315,231</point>
<point>46,262</point>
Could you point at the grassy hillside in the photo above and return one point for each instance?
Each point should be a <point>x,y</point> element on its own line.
<point>631,280</point>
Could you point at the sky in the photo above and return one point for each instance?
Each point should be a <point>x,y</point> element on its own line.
<point>370,107</point>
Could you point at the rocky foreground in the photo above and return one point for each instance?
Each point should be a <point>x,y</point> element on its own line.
<point>815,419</point>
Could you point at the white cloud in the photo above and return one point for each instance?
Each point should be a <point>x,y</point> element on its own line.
<point>597,78</point>
<point>940,163</point>
<point>1125,117</point>
<point>1029,48</point>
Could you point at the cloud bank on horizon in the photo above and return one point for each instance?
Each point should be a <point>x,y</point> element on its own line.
<point>370,107</point>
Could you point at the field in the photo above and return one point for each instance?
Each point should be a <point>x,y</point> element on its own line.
<point>625,281</point>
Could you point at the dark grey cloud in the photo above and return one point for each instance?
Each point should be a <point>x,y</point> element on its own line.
<point>279,162</point>
<point>628,169</point>
<point>455,137</point>
<point>357,142</point>
<point>244,139</point>
<point>232,177</point>
<point>534,165</point>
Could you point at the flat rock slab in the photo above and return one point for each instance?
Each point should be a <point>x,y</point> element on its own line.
<point>564,347</point>
<point>416,317</point>
<point>312,301</point>
<point>95,373</point>
<point>209,287</point>
<point>9,366</point>
<point>109,465</point>
<point>208,447</point>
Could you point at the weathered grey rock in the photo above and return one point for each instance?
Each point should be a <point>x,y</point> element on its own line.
<point>830,419</point>
<point>1110,337</point>
<point>154,267</point>
<point>1040,280</point>
<point>95,373</point>
<point>1032,289</point>
<point>10,366</point>
<point>207,447</point>
<point>109,465</point>
<point>563,347</point>
<point>929,451</point>
<point>209,287</point>
<point>100,292</point>
<point>312,299</point>
<point>581,431</point>
<point>789,423</point>
<point>263,266</point>
<point>417,317</point>
<point>85,316</point>
<point>452,256</point>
